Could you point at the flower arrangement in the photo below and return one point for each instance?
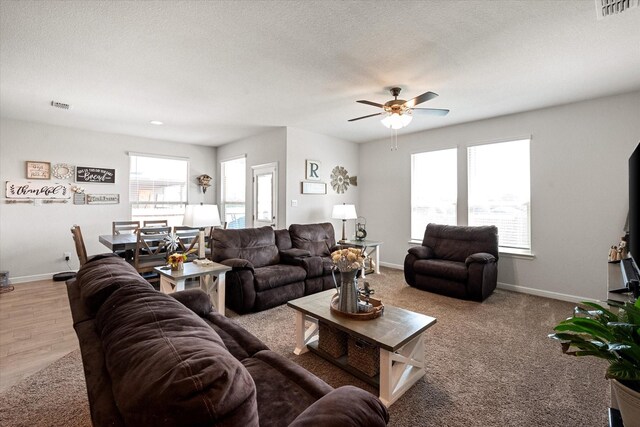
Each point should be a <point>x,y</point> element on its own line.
<point>177,258</point>
<point>348,259</point>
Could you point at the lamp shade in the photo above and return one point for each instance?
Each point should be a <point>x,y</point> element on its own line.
<point>344,211</point>
<point>201,216</point>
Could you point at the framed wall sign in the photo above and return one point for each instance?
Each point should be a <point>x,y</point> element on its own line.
<point>97,175</point>
<point>312,170</point>
<point>103,199</point>
<point>38,170</point>
<point>37,190</point>
<point>314,187</point>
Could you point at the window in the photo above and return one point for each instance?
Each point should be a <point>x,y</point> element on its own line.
<point>499,190</point>
<point>434,190</point>
<point>233,177</point>
<point>158,187</point>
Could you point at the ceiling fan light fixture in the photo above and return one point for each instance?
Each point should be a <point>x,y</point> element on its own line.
<point>397,121</point>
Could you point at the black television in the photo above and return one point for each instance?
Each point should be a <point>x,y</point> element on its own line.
<point>630,270</point>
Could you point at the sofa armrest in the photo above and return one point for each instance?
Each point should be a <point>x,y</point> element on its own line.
<point>238,264</point>
<point>195,300</point>
<point>346,406</point>
<point>422,252</point>
<point>480,257</point>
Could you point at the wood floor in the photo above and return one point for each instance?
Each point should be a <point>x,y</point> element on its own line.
<point>35,329</point>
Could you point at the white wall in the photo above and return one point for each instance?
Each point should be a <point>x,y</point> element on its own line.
<point>330,152</point>
<point>34,238</point>
<point>579,189</point>
<point>268,147</point>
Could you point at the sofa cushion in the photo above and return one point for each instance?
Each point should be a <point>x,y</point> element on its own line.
<point>168,367</point>
<point>273,276</point>
<point>284,389</point>
<point>442,268</point>
<point>456,243</point>
<point>318,239</point>
<point>100,277</point>
<point>257,245</point>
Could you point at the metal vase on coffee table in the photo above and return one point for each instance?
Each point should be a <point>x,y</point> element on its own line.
<point>348,302</point>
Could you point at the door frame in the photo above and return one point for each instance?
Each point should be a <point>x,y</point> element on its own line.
<point>274,192</point>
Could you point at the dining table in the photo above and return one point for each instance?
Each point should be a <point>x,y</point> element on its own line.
<point>118,242</point>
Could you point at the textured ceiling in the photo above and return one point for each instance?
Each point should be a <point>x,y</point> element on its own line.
<point>215,72</point>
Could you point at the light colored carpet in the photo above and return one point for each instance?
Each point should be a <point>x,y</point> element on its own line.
<point>488,364</point>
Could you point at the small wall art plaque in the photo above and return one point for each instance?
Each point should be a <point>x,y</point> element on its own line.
<point>103,199</point>
<point>79,199</point>
<point>314,187</point>
<point>98,175</point>
<point>312,169</point>
<point>38,170</point>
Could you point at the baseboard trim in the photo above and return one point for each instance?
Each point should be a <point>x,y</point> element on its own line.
<point>542,293</point>
<point>34,278</point>
<point>522,289</point>
<point>395,266</point>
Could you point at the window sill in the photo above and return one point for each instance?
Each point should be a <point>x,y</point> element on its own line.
<point>516,253</point>
<point>506,252</point>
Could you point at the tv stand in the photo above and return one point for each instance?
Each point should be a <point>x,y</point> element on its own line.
<point>617,289</point>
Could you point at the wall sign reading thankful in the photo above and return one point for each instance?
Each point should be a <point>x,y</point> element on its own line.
<point>100,175</point>
<point>37,190</point>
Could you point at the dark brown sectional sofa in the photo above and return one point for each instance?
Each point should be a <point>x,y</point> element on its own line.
<point>152,359</point>
<point>271,267</point>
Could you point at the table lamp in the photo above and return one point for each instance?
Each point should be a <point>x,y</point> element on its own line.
<point>201,216</point>
<point>344,212</point>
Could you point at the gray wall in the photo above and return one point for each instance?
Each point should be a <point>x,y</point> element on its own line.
<point>330,152</point>
<point>579,190</point>
<point>268,147</point>
<point>33,238</point>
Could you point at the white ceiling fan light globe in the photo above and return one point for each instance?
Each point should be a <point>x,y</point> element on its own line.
<point>395,120</point>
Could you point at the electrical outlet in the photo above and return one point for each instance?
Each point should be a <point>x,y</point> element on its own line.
<point>67,256</point>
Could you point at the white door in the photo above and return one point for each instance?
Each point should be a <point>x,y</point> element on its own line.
<point>265,195</point>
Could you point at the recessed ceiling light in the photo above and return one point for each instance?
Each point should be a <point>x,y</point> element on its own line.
<point>156,122</point>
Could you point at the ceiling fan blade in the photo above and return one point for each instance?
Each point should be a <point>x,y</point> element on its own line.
<point>364,117</point>
<point>431,111</point>
<point>420,99</point>
<point>375,104</point>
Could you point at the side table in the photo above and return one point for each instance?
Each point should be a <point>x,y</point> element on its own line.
<point>174,280</point>
<point>366,245</point>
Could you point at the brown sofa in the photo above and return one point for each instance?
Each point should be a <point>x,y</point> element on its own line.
<point>271,267</point>
<point>457,261</point>
<point>152,359</point>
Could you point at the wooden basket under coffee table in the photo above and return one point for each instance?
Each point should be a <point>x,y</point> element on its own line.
<point>398,333</point>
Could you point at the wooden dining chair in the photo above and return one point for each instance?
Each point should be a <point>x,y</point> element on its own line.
<point>120,227</point>
<point>188,238</point>
<point>151,251</point>
<point>155,223</point>
<point>81,250</point>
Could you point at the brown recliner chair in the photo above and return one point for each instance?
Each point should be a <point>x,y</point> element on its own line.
<point>457,261</point>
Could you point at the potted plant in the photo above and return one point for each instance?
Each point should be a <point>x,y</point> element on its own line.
<point>615,337</point>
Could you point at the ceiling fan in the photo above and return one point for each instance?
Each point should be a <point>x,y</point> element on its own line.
<point>398,113</point>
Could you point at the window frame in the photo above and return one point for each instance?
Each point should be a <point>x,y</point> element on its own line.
<point>183,204</point>
<point>223,202</point>
<point>518,252</point>
<point>457,193</point>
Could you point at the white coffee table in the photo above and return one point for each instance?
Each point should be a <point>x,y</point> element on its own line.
<point>398,333</point>
<point>174,280</point>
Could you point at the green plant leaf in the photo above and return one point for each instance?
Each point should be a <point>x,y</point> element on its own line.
<point>623,370</point>
<point>586,326</point>
<point>610,316</point>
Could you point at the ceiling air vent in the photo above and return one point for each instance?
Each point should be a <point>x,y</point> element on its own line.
<point>605,8</point>
<point>61,105</point>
